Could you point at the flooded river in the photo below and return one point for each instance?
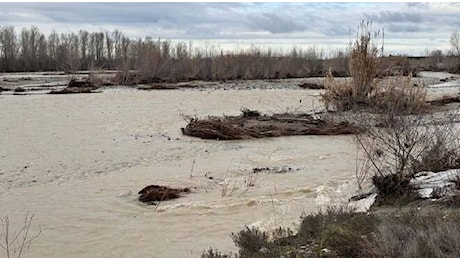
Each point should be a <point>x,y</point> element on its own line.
<point>78,161</point>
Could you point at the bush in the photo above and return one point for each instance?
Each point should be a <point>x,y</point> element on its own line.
<point>251,242</point>
<point>246,112</point>
<point>214,253</point>
<point>337,229</point>
<point>364,59</point>
<point>341,233</point>
<point>399,146</point>
<point>363,90</point>
<point>393,189</point>
<point>398,96</point>
<point>414,234</point>
<point>338,95</point>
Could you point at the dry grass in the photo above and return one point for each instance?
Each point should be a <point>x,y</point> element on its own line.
<point>398,95</point>
<point>364,59</point>
<point>415,235</point>
<point>341,233</point>
<point>364,90</point>
<point>338,95</point>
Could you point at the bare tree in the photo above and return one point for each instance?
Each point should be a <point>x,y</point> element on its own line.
<point>43,60</point>
<point>455,42</point>
<point>84,47</point>
<point>16,243</point>
<point>117,42</point>
<point>109,49</point>
<point>9,47</point>
<point>53,43</point>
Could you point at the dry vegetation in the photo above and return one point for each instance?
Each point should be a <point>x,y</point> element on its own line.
<point>15,243</point>
<point>341,233</point>
<point>253,125</point>
<point>399,140</point>
<point>364,89</point>
<point>147,60</point>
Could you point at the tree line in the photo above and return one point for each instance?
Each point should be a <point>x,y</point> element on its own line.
<point>31,50</point>
<point>155,59</point>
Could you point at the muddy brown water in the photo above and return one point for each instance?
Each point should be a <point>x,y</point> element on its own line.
<point>78,161</point>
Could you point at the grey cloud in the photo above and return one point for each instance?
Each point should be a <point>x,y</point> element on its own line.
<point>417,5</point>
<point>274,24</point>
<point>387,16</point>
<point>397,28</point>
<point>118,12</point>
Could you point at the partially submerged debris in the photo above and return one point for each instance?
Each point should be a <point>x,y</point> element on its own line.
<point>445,100</point>
<point>71,91</point>
<point>156,87</point>
<point>164,86</point>
<point>75,87</point>
<point>73,83</point>
<point>308,85</point>
<point>275,169</point>
<point>19,90</point>
<point>246,112</point>
<point>155,193</point>
<point>241,127</point>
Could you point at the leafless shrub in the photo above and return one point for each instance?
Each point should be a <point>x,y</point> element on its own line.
<point>238,185</point>
<point>399,146</point>
<point>14,244</point>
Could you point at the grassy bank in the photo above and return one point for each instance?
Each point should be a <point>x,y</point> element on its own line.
<point>341,233</point>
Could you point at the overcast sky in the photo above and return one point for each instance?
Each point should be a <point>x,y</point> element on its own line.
<point>410,28</point>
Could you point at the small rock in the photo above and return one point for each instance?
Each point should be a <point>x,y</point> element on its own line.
<point>264,250</point>
<point>325,250</point>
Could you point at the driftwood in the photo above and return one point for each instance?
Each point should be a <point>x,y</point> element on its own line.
<point>81,84</point>
<point>155,193</point>
<point>157,87</point>
<point>445,100</point>
<point>308,85</point>
<point>71,91</point>
<point>19,90</point>
<point>165,86</point>
<point>75,87</point>
<point>241,127</point>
